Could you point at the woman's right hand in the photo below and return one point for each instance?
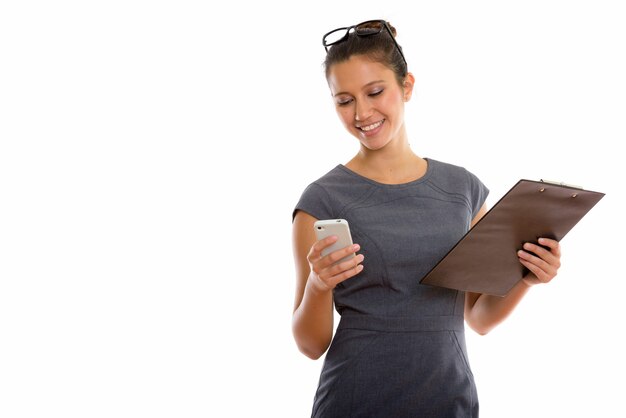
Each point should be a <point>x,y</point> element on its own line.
<point>324,275</point>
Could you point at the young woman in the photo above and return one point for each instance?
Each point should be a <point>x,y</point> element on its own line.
<point>399,349</point>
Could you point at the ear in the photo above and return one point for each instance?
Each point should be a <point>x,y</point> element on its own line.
<point>407,86</point>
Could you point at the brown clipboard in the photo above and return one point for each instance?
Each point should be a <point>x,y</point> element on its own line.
<point>485,259</point>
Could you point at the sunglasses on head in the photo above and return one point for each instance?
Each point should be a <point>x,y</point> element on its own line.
<point>367,28</point>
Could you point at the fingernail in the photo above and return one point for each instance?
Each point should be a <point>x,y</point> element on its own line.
<point>356,247</point>
<point>528,246</point>
<point>542,240</point>
<point>520,253</point>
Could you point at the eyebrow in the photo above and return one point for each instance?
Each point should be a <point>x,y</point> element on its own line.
<point>367,85</point>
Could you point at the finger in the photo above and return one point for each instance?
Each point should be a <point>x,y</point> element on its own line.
<point>316,250</point>
<point>345,275</point>
<point>543,271</point>
<point>345,265</point>
<point>331,272</point>
<point>335,256</point>
<point>550,255</point>
<point>555,247</point>
<point>539,274</point>
<point>534,256</point>
<point>538,252</point>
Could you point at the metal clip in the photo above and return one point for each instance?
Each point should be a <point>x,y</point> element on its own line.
<point>560,183</point>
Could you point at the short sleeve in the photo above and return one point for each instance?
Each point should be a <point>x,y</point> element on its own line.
<point>315,201</point>
<point>478,193</point>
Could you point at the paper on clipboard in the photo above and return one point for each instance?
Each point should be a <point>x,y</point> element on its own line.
<point>485,259</point>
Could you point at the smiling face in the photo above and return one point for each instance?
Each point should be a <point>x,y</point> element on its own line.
<point>369,100</point>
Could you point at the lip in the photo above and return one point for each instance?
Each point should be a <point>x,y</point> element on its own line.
<point>373,131</point>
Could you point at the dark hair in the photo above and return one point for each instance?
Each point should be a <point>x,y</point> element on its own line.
<point>378,48</point>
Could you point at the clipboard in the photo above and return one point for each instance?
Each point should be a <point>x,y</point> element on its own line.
<point>485,259</point>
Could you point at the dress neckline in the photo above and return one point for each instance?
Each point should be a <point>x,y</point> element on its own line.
<point>424,177</point>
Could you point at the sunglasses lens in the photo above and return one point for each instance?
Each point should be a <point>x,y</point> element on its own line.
<point>369,28</point>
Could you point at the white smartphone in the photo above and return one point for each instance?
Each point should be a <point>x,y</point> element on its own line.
<point>338,227</point>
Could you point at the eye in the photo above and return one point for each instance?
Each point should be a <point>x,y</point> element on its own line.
<point>344,102</point>
<point>376,92</point>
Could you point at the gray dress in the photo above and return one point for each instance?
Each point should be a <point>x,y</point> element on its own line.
<point>399,349</point>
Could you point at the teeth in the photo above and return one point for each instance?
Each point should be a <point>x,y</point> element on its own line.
<point>372,126</point>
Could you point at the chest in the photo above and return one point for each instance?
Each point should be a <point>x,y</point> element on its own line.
<point>410,231</point>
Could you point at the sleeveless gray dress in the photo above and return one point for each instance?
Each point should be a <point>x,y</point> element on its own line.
<point>399,348</point>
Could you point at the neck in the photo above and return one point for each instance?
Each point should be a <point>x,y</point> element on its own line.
<point>396,163</point>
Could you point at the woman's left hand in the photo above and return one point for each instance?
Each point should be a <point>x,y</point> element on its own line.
<point>544,264</point>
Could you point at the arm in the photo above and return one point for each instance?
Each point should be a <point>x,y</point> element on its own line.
<point>312,321</point>
<point>485,312</point>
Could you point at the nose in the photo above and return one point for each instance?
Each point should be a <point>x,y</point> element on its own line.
<point>362,110</point>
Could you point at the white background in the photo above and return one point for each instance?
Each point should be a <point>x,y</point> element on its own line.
<point>151,153</point>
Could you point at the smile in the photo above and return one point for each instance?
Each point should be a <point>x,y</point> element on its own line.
<point>372,126</point>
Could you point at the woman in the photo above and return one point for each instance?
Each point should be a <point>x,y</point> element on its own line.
<point>399,349</point>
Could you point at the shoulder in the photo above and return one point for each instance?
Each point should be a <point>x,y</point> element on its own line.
<point>317,197</point>
<point>452,175</point>
<point>331,193</point>
<point>322,184</point>
<point>336,176</point>
<point>339,181</point>
<point>459,181</point>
